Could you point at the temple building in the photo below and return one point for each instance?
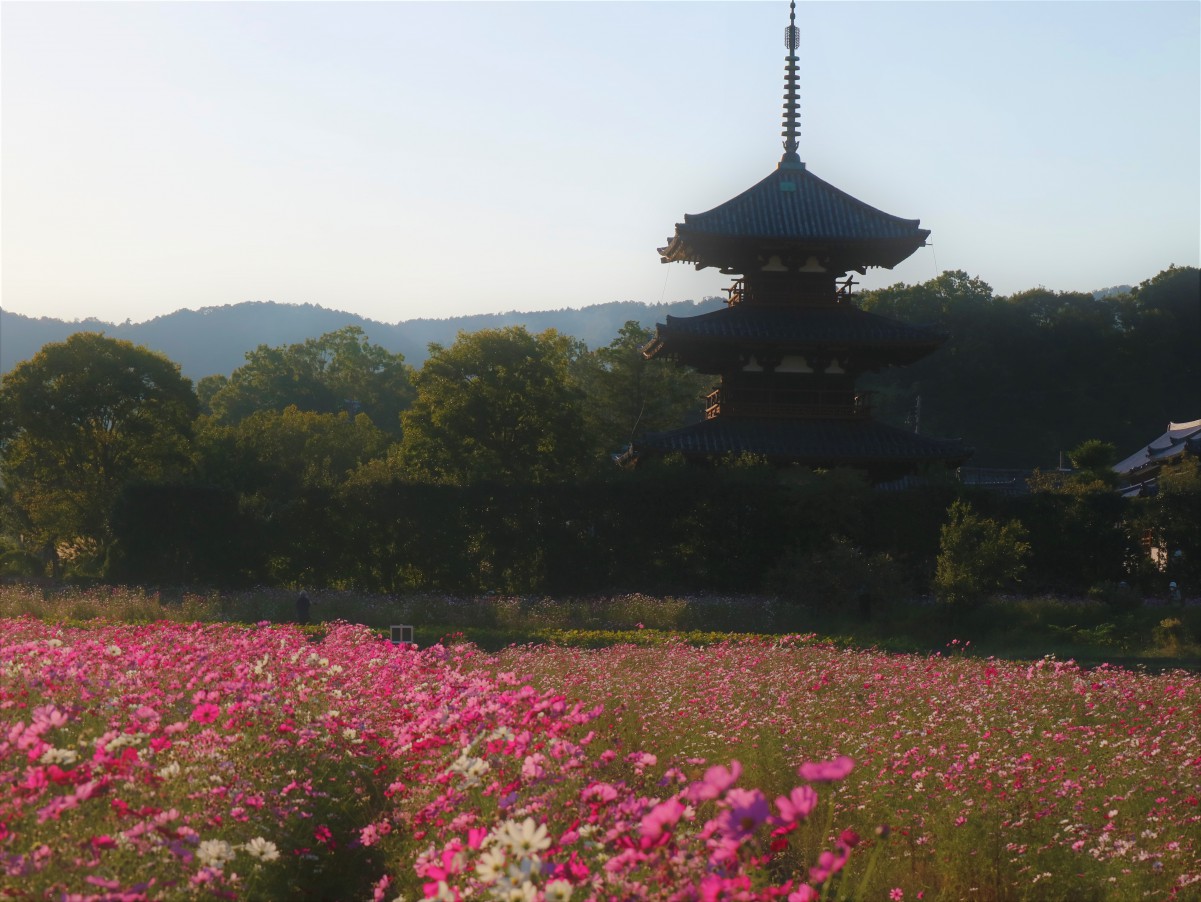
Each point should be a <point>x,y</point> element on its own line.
<point>790,344</point>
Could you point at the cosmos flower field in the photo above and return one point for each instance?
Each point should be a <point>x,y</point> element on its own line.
<point>185,760</point>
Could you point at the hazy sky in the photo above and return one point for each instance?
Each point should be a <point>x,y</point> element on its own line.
<point>404,160</point>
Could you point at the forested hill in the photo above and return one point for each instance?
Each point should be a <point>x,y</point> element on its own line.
<point>216,339</point>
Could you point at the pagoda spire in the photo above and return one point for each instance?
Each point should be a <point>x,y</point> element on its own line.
<point>792,101</point>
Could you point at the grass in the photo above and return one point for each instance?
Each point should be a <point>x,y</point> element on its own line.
<point>1088,631</point>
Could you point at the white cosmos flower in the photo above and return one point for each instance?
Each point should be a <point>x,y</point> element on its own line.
<point>59,756</point>
<point>526,892</point>
<point>262,849</point>
<point>214,853</point>
<point>526,838</point>
<point>491,865</point>
<point>558,891</point>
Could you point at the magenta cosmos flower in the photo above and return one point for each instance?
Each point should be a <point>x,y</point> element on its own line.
<point>826,771</point>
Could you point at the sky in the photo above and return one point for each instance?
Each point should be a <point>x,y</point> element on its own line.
<point>401,160</point>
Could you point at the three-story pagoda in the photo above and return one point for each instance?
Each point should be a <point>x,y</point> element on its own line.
<point>790,344</point>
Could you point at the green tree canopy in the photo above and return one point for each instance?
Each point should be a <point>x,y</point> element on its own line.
<point>498,405</point>
<point>1026,377</point>
<point>628,395</point>
<point>340,371</point>
<point>950,297</point>
<point>977,556</point>
<point>275,454</point>
<point>78,422</point>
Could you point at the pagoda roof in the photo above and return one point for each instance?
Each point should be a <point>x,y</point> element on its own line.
<point>842,324</point>
<point>793,209</point>
<point>815,442</point>
<point>1181,438</point>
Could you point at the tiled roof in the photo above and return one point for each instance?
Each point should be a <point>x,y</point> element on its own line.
<point>792,205</point>
<point>814,442</point>
<point>844,324</point>
<point>1179,439</point>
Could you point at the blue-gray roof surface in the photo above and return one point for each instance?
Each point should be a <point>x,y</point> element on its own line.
<point>812,441</point>
<point>792,204</point>
<point>844,324</point>
<point>1180,438</point>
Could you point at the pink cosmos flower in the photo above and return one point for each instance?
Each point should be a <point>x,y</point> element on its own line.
<point>661,819</point>
<point>804,893</point>
<point>797,804</point>
<point>599,792</point>
<point>828,864</point>
<point>748,809</point>
<point>206,712</point>
<point>379,891</point>
<point>896,894</point>
<point>826,771</point>
<point>717,781</point>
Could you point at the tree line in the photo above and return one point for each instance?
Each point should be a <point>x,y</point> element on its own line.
<point>332,462</point>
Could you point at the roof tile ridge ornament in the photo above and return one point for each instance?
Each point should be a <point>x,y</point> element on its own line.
<point>792,102</point>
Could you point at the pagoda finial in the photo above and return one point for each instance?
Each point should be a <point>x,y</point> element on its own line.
<point>792,102</point>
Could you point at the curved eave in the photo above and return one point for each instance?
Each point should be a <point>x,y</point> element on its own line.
<point>738,253</point>
<point>793,209</point>
<point>787,329</point>
<point>813,442</point>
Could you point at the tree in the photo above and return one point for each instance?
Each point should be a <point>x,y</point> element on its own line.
<point>340,371</point>
<point>977,556</point>
<point>275,454</point>
<point>78,422</point>
<point>952,296</point>
<point>629,395</point>
<point>497,405</point>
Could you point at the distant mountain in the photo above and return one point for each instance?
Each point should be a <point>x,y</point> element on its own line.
<point>216,339</point>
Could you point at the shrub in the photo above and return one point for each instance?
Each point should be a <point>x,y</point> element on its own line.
<point>837,576</point>
<point>977,556</point>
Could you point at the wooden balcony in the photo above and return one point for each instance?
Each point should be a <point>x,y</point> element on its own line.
<point>788,403</point>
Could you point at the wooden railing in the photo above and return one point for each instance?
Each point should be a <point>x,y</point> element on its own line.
<point>735,293</point>
<point>789,403</point>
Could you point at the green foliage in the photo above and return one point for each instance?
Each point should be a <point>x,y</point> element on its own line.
<point>80,421</point>
<point>1120,597</point>
<point>951,297</point>
<point>1029,376</point>
<point>1093,460</point>
<point>175,535</point>
<point>837,575</point>
<point>1169,522</point>
<point>628,395</point>
<point>977,556</point>
<point>1181,476</point>
<point>497,405</point>
<point>340,371</point>
<point>278,453</point>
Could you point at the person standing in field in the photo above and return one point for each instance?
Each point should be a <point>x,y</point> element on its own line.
<point>302,607</point>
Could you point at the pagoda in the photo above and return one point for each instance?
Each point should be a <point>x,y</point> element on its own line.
<point>790,344</point>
